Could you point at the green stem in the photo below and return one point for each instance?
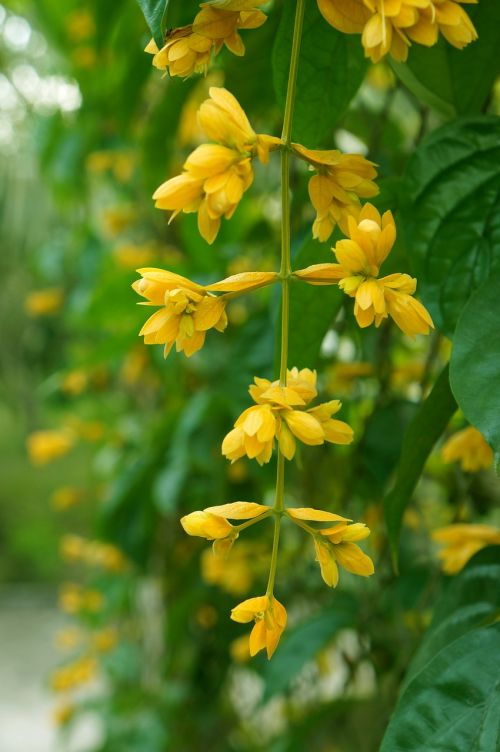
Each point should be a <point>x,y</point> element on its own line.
<point>253,521</point>
<point>285,269</point>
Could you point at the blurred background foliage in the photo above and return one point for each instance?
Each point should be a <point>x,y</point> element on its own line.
<point>88,130</point>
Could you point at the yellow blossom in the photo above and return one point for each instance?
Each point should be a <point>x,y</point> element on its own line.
<point>236,570</point>
<point>65,497</point>
<point>63,713</point>
<point>46,446</point>
<point>73,598</point>
<point>470,449</point>
<point>335,544</point>
<point>335,190</point>
<point>68,639</point>
<point>188,49</point>
<point>461,541</point>
<point>239,649</point>
<point>370,241</point>
<point>104,640</point>
<point>216,175</point>
<point>44,302</point>
<point>188,310</point>
<point>270,621</point>
<point>280,414</point>
<point>389,26</point>
<point>212,523</point>
<point>74,674</point>
<point>74,382</point>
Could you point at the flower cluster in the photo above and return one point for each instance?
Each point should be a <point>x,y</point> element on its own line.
<point>216,175</point>
<point>93,553</point>
<point>280,413</point>
<point>335,545</point>
<point>336,188</point>
<point>360,257</point>
<point>188,50</point>
<point>390,27</point>
<point>188,310</point>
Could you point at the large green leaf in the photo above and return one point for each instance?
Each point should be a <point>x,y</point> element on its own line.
<point>424,430</point>
<point>471,600</point>
<point>452,217</point>
<point>312,309</point>
<point>475,363</point>
<point>452,704</point>
<point>456,82</point>
<point>450,698</point>
<point>155,14</point>
<point>331,68</point>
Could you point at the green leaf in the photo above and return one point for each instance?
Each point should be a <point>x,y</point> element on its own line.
<point>456,82</point>
<point>424,430</point>
<point>471,600</point>
<point>475,362</point>
<point>452,217</point>
<point>312,308</point>
<point>155,13</point>
<point>331,69</point>
<point>450,697</point>
<point>303,643</point>
<point>452,703</point>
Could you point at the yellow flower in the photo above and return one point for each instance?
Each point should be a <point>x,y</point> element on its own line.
<point>74,382</point>
<point>340,181</point>
<point>280,414</point>
<point>104,640</point>
<point>469,448</point>
<point>216,175</point>
<point>46,446</point>
<point>188,310</point>
<point>74,674</point>
<point>73,598</point>
<point>335,544</point>
<point>65,497</point>
<point>188,49</point>
<point>370,241</point>
<point>236,570</point>
<point>270,621</point>
<point>44,302</point>
<point>212,523</point>
<point>389,26</point>
<point>461,542</point>
<point>62,714</point>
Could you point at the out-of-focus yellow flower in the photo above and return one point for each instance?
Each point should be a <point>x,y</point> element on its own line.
<point>468,447</point>
<point>131,256</point>
<point>336,188</point>
<point>390,27</point>
<point>63,713</point>
<point>46,446</point>
<point>342,376</point>
<point>73,598</point>
<point>74,674</point>
<point>188,310</point>
<point>80,24</point>
<point>270,620</point>
<point>461,542</point>
<point>216,175</point>
<point>116,219</point>
<point>240,650</point>
<point>235,571</point>
<point>370,241</point>
<point>280,414</point>
<point>65,497</point>
<point>72,547</point>
<point>44,302</point>
<point>335,544</point>
<point>84,57</point>
<point>120,163</point>
<point>206,616</point>
<point>74,382</point>
<point>212,523</point>
<point>104,640</point>
<point>188,49</point>
<point>93,553</point>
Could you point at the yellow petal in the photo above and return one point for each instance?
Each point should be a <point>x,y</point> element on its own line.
<point>314,515</point>
<point>244,281</point>
<point>206,525</point>
<point>246,611</point>
<point>321,274</point>
<point>238,510</point>
<point>305,427</point>
<point>327,563</point>
<point>352,558</point>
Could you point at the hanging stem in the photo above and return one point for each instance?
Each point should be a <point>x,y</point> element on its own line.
<point>285,268</point>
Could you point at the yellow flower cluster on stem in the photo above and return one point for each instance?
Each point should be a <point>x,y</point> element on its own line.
<point>360,257</point>
<point>188,49</point>
<point>216,175</point>
<point>390,26</point>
